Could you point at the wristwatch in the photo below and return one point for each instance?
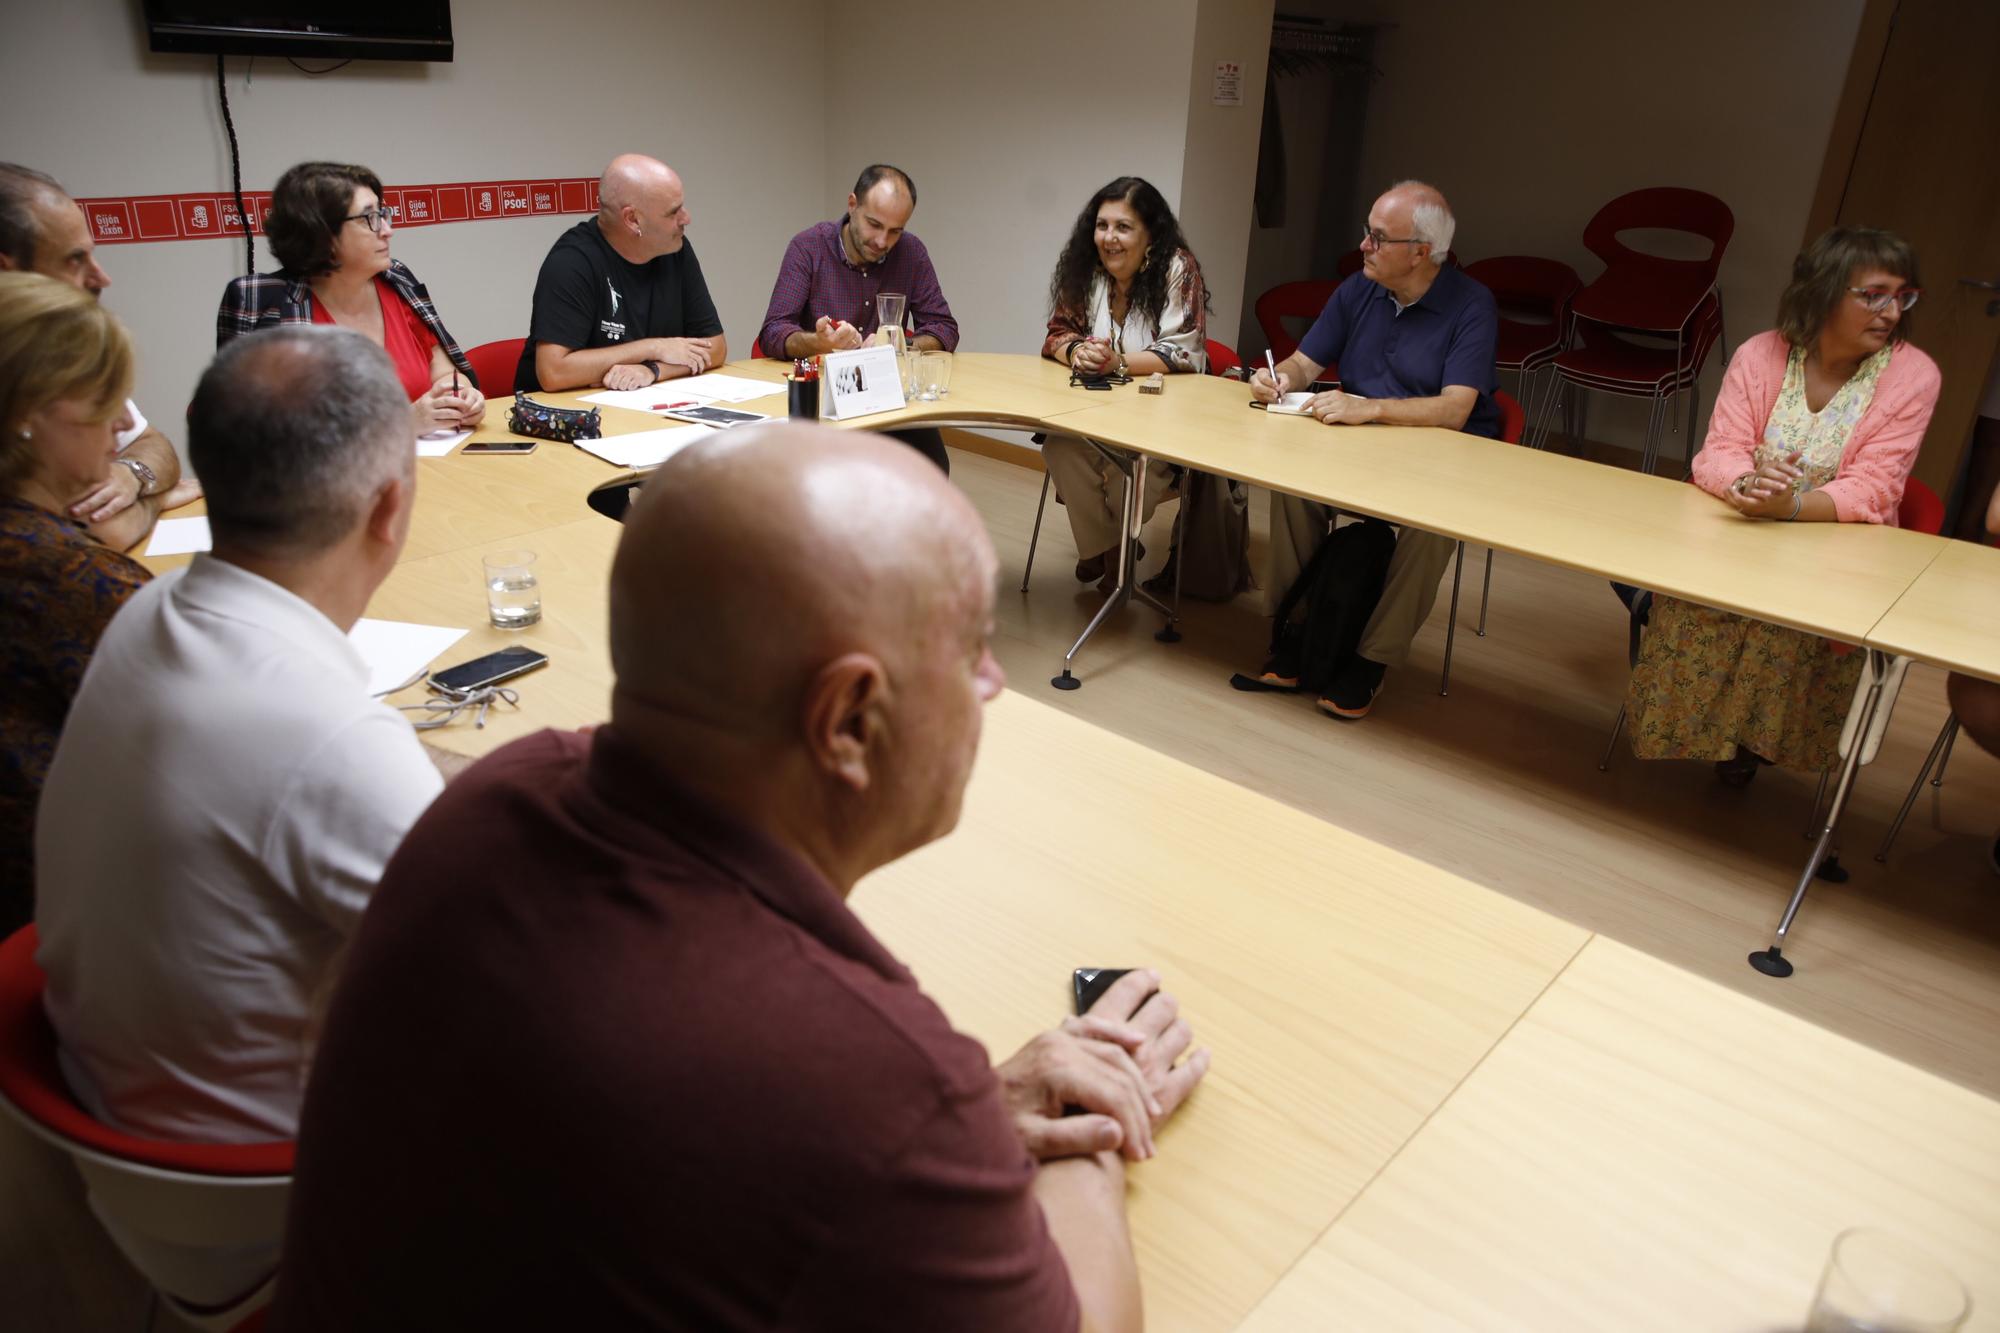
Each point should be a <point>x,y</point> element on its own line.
<point>146,476</point>
<point>656,368</point>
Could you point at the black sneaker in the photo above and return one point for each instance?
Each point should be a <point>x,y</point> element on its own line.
<point>1282,671</point>
<point>1352,692</point>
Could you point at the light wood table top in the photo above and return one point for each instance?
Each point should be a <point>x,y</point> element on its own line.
<point>1372,1054</point>
<point>1950,616</point>
<point>1648,1150</point>
<point>1826,578</point>
<point>1345,987</point>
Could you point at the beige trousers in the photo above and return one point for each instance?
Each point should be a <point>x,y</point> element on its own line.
<point>1297,529</point>
<point>1093,491</point>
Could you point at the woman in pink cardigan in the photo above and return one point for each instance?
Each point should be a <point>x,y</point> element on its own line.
<point>1818,421</point>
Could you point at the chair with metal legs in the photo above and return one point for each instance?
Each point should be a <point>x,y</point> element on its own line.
<point>1222,359</point>
<point>1933,768</point>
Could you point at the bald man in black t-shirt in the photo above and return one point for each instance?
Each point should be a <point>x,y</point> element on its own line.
<point>620,300</point>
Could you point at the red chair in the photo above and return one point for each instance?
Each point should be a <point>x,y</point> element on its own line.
<point>1290,300</point>
<point>1222,358</point>
<point>494,364</point>
<point>756,350</point>
<point>1643,293</point>
<point>157,1200</point>
<point>1533,295</point>
<point>1512,421</point>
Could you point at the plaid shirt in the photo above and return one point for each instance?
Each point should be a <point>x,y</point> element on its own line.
<point>817,279</point>
<point>267,300</point>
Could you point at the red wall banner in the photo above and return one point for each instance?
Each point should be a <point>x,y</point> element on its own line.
<point>211,215</point>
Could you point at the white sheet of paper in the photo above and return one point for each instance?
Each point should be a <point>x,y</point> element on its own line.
<point>719,388</point>
<point>711,388</point>
<point>396,651</point>
<point>862,382</point>
<point>179,536</point>
<point>646,448</point>
<point>1291,405</point>
<point>438,443</point>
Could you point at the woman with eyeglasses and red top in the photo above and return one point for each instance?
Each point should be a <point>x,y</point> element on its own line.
<point>329,232</point>
<point>1817,421</point>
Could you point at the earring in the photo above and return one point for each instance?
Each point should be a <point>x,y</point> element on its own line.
<point>27,434</point>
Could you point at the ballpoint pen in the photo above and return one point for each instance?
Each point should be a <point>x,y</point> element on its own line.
<point>1273,369</point>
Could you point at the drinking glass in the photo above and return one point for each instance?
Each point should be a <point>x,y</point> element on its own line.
<point>889,308</point>
<point>934,376</point>
<point>909,362</point>
<point>513,594</point>
<point>1877,1282</point>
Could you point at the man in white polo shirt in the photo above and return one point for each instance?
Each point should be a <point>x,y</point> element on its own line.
<point>258,789</point>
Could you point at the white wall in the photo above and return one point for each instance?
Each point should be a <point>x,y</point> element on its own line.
<point>1219,171</point>
<point>1531,115</point>
<point>1010,117</point>
<point>536,91</point>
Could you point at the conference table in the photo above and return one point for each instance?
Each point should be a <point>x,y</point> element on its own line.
<point>1386,1036</point>
<point>1431,1106</point>
<point>1842,581</point>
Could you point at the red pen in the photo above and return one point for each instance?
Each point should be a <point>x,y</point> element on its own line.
<point>668,407</point>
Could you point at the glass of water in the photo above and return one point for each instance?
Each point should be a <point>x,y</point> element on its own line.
<point>1877,1282</point>
<point>513,594</point>
<point>934,376</point>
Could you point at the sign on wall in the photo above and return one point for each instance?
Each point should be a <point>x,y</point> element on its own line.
<point>209,215</point>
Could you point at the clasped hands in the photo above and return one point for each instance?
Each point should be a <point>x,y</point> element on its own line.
<point>1767,492</point>
<point>1093,356</point>
<point>697,354</point>
<point>448,407</point>
<point>1117,1062</point>
<point>1334,408</point>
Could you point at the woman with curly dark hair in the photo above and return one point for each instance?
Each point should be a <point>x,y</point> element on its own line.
<point>1126,299</point>
<point>329,231</point>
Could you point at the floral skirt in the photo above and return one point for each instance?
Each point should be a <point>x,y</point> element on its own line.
<point>1708,681</point>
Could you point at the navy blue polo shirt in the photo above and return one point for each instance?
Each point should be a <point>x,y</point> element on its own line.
<point>1447,337</point>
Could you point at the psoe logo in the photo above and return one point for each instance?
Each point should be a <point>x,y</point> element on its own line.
<point>201,216</point>
<point>486,201</point>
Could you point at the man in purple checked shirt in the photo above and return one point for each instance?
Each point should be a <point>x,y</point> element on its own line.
<point>824,298</point>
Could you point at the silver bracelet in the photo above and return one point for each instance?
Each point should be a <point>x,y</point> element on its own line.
<point>1797,505</point>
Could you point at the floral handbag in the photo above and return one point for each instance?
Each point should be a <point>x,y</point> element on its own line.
<point>528,417</point>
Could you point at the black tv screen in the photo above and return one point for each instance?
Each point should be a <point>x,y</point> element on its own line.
<point>316,29</point>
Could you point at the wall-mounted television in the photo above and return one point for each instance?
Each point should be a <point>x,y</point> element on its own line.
<point>315,29</point>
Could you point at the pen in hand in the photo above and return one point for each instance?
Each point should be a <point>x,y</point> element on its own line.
<point>1271,368</point>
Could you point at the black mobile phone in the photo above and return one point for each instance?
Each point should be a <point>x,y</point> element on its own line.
<point>501,447</point>
<point>488,670</point>
<point>1088,984</point>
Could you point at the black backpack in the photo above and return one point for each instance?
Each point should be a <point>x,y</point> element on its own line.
<point>1340,585</point>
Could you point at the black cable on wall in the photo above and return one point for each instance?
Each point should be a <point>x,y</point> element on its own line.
<point>236,171</point>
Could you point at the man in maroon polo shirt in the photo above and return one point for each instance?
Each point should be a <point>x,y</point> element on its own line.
<point>611,1052</point>
<point>824,297</point>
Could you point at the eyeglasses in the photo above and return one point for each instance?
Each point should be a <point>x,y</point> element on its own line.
<point>1374,237</point>
<point>1876,300</point>
<point>378,219</point>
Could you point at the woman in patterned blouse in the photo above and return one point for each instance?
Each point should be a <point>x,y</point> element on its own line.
<point>65,371</point>
<point>1126,298</point>
<point>1818,421</point>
